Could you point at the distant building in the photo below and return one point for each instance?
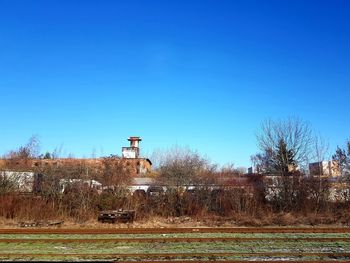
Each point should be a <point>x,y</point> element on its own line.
<point>141,183</point>
<point>130,160</point>
<point>257,169</point>
<point>22,182</point>
<point>324,168</point>
<point>253,170</point>
<point>90,184</point>
<point>133,151</point>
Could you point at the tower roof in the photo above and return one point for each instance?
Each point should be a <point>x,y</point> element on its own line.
<point>134,138</point>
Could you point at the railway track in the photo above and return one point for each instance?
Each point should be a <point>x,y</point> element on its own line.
<point>199,261</point>
<point>182,255</point>
<point>171,240</point>
<point>232,255</point>
<point>229,261</point>
<point>245,230</point>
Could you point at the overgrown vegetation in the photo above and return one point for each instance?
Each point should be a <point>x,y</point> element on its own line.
<point>189,184</point>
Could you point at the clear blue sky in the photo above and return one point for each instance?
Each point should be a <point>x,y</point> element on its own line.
<point>203,74</point>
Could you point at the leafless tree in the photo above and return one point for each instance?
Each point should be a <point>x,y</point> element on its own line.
<point>295,133</point>
<point>320,148</point>
<point>285,145</point>
<point>57,152</point>
<point>182,166</point>
<point>29,150</point>
<point>342,156</point>
<point>8,184</point>
<point>115,172</point>
<point>320,151</point>
<point>20,158</point>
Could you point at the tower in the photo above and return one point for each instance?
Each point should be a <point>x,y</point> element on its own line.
<point>134,141</point>
<point>133,151</point>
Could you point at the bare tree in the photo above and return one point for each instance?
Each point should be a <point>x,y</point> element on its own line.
<point>293,132</point>
<point>182,166</point>
<point>115,172</point>
<point>320,148</point>
<point>29,150</point>
<point>57,152</point>
<point>20,158</point>
<point>320,190</point>
<point>342,156</point>
<point>8,184</point>
<point>262,162</point>
<point>285,145</point>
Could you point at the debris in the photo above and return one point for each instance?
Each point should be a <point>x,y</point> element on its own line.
<point>40,223</point>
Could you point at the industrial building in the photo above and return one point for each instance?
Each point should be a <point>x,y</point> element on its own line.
<point>324,169</point>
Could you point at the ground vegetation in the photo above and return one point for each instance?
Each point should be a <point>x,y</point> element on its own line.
<point>186,184</point>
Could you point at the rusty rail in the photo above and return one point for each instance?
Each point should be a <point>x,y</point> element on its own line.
<point>172,230</point>
<point>171,240</point>
<point>233,261</point>
<point>199,261</point>
<point>182,255</point>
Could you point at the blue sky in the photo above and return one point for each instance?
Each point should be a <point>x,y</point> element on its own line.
<point>85,75</point>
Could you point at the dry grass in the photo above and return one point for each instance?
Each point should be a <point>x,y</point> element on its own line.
<point>209,221</point>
